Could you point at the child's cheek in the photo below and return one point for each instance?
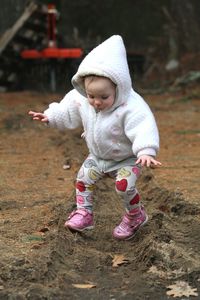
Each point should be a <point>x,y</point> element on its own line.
<point>90,102</point>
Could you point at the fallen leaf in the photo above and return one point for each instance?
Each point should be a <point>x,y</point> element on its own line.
<point>178,272</point>
<point>84,286</point>
<point>118,260</point>
<point>181,289</point>
<point>166,274</point>
<point>154,270</point>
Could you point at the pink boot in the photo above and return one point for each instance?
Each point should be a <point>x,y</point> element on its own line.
<point>79,220</point>
<point>130,224</point>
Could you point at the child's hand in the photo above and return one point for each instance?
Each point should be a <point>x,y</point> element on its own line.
<point>147,160</point>
<point>38,116</point>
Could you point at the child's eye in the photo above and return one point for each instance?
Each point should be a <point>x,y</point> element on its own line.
<point>104,97</point>
<point>90,96</point>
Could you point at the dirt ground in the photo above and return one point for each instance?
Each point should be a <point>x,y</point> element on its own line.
<point>40,259</point>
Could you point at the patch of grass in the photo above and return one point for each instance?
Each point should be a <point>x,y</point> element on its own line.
<point>32,238</point>
<point>189,131</point>
<point>14,122</point>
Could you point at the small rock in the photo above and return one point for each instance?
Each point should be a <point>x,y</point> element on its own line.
<point>66,167</point>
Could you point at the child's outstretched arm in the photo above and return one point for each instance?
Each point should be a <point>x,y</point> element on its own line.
<point>38,116</point>
<point>147,160</point>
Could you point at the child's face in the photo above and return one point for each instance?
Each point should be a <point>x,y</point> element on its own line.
<point>100,92</point>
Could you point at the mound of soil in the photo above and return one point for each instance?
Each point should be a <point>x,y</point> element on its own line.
<point>40,259</point>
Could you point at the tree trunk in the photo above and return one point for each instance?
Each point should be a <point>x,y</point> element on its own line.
<point>185,14</point>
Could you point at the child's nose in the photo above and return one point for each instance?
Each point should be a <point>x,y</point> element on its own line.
<point>97,102</point>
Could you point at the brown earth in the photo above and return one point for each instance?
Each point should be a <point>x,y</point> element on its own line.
<point>42,260</point>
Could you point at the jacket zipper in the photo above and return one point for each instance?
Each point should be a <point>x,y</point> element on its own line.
<point>94,130</point>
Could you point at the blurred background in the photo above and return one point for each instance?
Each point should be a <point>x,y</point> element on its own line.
<point>43,42</point>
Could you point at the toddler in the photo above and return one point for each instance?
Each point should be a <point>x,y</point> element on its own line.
<point>119,129</point>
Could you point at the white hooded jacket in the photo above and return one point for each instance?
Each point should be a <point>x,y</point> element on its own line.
<point>117,136</point>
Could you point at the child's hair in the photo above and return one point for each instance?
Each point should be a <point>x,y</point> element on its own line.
<point>94,77</point>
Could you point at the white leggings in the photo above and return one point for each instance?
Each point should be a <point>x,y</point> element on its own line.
<point>125,179</point>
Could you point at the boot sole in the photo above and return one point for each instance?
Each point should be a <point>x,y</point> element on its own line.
<point>78,229</point>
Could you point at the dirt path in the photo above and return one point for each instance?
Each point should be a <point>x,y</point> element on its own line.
<point>42,260</point>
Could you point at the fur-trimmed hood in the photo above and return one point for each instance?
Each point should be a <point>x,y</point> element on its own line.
<point>108,59</point>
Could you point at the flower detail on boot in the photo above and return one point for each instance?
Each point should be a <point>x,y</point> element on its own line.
<point>130,224</point>
<point>80,220</point>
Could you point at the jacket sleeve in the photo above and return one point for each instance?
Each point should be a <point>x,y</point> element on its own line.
<point>141,129</point>
<point>65,114</point>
